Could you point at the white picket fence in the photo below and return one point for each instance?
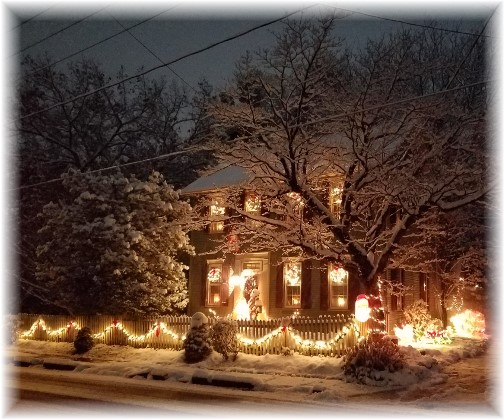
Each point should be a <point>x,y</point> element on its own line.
<point>325,336</point>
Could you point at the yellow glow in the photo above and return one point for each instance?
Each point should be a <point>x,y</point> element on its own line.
<point>341,301</point>
<point>405,335</point>
<point>470,324</point>
<point>216,298</point>
<point>241,309</point>
<point>362,310</point>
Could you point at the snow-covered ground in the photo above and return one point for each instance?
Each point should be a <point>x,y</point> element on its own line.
<point>461,377</point>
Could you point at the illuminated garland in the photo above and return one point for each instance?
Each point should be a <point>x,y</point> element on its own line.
<point>157,329</point>
<point>160,327</point>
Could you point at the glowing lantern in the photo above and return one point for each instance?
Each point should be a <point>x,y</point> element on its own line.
<point>362,310</point>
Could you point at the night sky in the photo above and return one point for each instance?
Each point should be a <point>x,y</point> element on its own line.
<point>179,30</point>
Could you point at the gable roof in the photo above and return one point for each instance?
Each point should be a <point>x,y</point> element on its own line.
<point>226,177</point>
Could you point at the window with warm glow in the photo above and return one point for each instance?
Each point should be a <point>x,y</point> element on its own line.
<point>253,207</point>
<point>295,201</point>
<point>338,287</point>
<point>217,211</point>
<point>215,283</point>
<point>335,199</point>
<point>292,284</point>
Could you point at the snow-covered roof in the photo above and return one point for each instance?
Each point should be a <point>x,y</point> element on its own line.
<point>222,178</point>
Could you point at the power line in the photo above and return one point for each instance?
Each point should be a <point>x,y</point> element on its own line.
<point>33,17</point>
<point>213,45</point>
<point>387,104</point>
<point>57,32</point>
<point>154,54</point>
<point>407,23</point>
<point>96,43</point>
<point>50,181</point>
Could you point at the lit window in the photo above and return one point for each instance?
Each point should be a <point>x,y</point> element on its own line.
<point>253,207</point>
<point>217,211</point>
<point>292,284</point>
<point>215,284</point>
<point>338,287</point>
<point>295,202</point>
<point>335,200</point>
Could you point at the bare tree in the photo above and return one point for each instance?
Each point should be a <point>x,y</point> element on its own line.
<point>347,152</point>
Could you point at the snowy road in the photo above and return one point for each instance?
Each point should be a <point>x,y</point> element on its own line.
<point>64,393</point>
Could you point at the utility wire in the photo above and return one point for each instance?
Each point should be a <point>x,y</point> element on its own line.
<point>154,54</point>
<point>199,51</point>
<point>387,104</point>
<point>299,125</point>
<point>57,32</point>
<point>33,17</point>
<point>122,165</point>
<point>407,23</point>
<point>96,43</point>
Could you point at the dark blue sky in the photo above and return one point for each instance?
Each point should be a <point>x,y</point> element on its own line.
<point>183,29</point>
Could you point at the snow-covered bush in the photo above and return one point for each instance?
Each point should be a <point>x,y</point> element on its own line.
<point>197,346</point>
<point>223,337</point>
<point>370,355</point>
<point>425,327</point>
<point>84,341</point>
<point>112,246</point>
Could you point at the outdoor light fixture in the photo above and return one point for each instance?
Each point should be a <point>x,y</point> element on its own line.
<point>362,310</point>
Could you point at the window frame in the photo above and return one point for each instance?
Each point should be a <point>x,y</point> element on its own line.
<point>397,277</point>
<point>216,211</point>
<point>212,285</point>
<point>289,288</point>
<point>332,285</point>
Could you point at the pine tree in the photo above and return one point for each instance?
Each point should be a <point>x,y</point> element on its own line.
<point>113,246</point>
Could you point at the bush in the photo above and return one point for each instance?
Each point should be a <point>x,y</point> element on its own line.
<point>424,326</point>
<point>223,337</point>
<point>370,355</point>
<point>197,345</point>
<point>84,341</point>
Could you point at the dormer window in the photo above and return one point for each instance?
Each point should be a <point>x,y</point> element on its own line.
<point>335,193</point>
<point>252,203</point>
<point>217,211</point>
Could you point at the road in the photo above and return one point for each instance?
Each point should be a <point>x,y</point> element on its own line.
<point>33,391</point>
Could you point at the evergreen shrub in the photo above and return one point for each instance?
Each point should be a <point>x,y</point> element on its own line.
<point>84,341</point>
<point>223,337</point>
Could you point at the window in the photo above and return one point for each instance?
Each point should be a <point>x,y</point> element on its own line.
<point>217,211</point>
<point>397,292</point>
<point>292,284</point>
<point>253,207</point>
<point>216,284</point>
<point>338,287</point>
<point>335,199</point>
<point>295,203</point>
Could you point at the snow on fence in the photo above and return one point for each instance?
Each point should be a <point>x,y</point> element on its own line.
<point>326,335</point>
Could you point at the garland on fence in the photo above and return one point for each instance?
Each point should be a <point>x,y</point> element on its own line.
<point>157,329</point>
<point>160,327</point>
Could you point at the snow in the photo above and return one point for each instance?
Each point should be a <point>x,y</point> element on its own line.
<point>456,377</point>
<point>225,177</point>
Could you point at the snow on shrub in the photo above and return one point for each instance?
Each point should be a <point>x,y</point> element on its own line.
<point>223,337</point>
<point>370,357</point>
<point>13,324</point>
<point>197,346</point>
<point>84,341</point>
<point>425,327</point>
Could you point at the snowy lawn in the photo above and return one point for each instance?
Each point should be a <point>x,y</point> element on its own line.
<point>315,378</point>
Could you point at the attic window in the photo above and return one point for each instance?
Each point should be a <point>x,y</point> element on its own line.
<point>217,211</point>
<point>252,203</point>
<point>335,199</point>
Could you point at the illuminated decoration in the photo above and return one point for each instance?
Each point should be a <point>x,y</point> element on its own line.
<point>405,335</point>
<point>241,309</point>
<point>160,328</point>
<point>292,273</point>
<point>215,274</point>
<point>470,324</point>
<point>338,274</point>
<point>235,281</point>
<point>156,330</point>
<point>362,310</point>
<point>41,325</point>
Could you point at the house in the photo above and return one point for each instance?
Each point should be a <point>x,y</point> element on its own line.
<point>222,281</point>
